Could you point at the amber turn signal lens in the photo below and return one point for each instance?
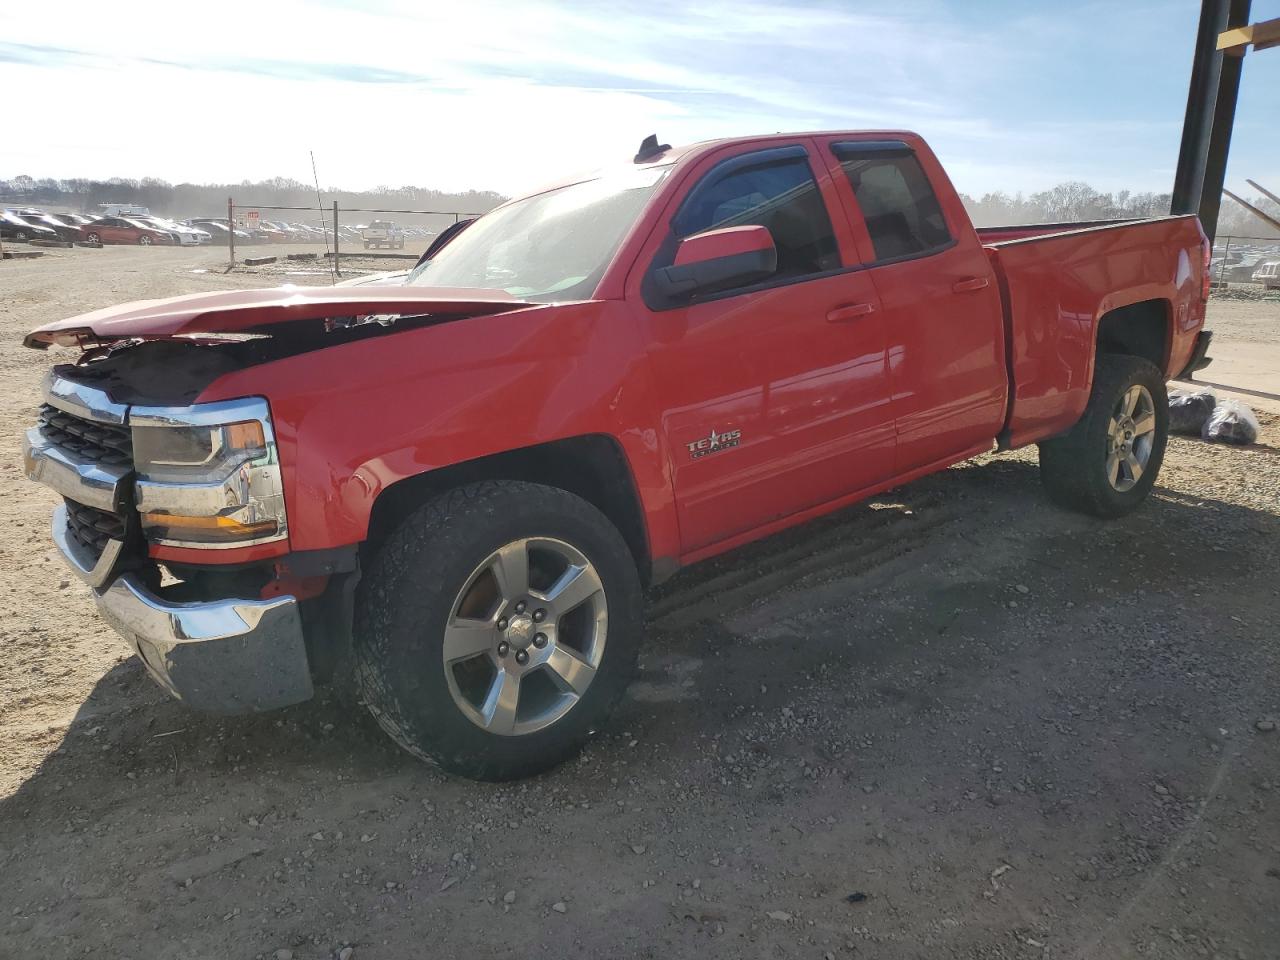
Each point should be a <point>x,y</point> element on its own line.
<point>169,526</point>
<point>245,436</point>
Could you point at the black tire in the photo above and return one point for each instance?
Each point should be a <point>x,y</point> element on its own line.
<point>1073,467</point>
<point>93,238</point>
<point>406,597</point>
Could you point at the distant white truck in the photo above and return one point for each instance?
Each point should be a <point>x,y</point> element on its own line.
<point>383,233</point>
<point>123,210</point>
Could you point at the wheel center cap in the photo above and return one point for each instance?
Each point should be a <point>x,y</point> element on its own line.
<point>520,632</point>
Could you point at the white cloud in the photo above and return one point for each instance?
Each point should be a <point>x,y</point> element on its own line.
<point>492,95</point>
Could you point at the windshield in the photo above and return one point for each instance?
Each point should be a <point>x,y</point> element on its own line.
<point>551,246</point>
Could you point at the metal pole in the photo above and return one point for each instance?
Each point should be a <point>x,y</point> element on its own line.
<point>1224,118</point>
<point>1188,178</point>
<point>335,238</point>
<point>231,232</point>
<point>1222,270</point>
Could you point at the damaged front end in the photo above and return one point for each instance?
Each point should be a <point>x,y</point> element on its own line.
<point>174,510</point>
<point>200,476</point>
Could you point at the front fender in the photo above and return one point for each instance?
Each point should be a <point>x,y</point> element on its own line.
<point>354,419</point>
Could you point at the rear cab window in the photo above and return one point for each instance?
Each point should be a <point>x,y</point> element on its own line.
<point>898,204</point>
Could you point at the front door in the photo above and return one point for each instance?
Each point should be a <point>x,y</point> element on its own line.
<point>775,395</point>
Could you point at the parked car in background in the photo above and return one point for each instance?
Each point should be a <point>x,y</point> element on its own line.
<point>186,236</point>
<point>75,219</point>
<point>267,232</point>
<point>383,233</point>
<point>1242,271</point>
<point>1268,274</point>
<point>292,231</point>
<point>126,230</point>
<point>219,232</point>
<point>66,232</point>
<point>13,227</point>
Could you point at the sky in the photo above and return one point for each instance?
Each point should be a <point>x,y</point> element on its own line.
<point>1013,96</point>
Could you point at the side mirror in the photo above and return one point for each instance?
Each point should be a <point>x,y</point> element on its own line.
<point>719,259</point>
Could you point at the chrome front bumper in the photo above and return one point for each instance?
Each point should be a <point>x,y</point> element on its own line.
<point>219,656</point>
<point>224,655</point>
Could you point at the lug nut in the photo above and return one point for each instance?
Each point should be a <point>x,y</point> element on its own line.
<point>520,607</point>
<point>503,648</point>
<point>539,616</point>
<point>540,640</point>
<point>502,623</point>
<point>522,657</point>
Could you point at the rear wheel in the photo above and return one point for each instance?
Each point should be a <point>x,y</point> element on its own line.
<point>92,238</point>
<point>497,628</point>
<point>144,240</point>
<point>1109,461</point>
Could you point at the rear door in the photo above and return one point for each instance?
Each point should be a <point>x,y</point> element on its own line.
<point>114,230</point>
<point>774,395</point>
<point>942,311</point>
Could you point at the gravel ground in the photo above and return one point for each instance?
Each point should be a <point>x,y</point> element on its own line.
<point>953,722</point>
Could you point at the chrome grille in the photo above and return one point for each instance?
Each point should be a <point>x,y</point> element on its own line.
<point>103,443</point>
<point>92,528</point>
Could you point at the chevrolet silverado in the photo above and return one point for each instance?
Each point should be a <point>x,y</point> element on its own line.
<point>452,492</point>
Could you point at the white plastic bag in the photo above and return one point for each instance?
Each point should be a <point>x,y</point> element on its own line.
<point>1231,422</point>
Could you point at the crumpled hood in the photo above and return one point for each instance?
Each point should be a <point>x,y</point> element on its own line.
<point>242,311</point>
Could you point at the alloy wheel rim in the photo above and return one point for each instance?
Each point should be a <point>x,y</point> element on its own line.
<point>1131,434</point>
<point>526,636</point>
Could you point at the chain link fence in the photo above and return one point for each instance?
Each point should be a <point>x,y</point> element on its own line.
<point>1246,263</point>
<point>335,227</point>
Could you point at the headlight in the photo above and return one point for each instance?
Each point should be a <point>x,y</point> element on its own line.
<point>208,475</point>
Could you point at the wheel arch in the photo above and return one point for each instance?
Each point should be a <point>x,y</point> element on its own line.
<point>1143,328</point>
<point>591,466</point>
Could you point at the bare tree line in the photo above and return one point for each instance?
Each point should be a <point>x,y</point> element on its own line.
<point>1076,201</point>
<point>1067,202</point>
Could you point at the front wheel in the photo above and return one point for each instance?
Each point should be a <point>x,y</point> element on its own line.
<point>1108,463</point>
<point>497,628</point>
<point>144,241</point>
<point>93,238</point>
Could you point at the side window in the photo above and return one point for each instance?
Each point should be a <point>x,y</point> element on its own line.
<point>901,210</point>
<point>780,194</point>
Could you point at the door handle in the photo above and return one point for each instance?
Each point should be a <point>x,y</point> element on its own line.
<point>850,311</point>
<point>969,284</point>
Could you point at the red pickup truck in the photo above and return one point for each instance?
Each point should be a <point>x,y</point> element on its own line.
<point>455,491</point>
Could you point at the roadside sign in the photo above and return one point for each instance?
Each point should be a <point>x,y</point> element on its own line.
<point>251,219</point>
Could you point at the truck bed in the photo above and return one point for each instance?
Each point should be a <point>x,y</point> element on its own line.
<point>1058,281</point>
<point>1024,231</point>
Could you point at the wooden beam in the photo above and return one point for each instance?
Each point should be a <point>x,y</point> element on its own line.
<point>1266,217</point>
<point>1263,190</point>
<point>1260,36</point>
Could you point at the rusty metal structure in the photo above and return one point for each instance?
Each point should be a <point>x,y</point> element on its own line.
<point>1222,39</point>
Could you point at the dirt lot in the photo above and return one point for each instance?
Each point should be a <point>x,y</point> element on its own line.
<point>955,722</point>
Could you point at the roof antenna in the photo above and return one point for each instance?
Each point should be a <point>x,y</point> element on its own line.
<point>650,148</point>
